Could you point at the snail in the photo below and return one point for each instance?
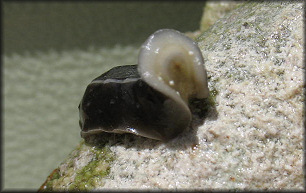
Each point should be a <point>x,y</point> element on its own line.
<point>149,99</point>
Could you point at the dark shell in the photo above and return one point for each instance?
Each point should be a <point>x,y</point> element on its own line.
<point>119,101</point>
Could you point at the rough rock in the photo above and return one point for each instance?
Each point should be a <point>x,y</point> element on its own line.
<point>215,10</point>
<point>252,134</point>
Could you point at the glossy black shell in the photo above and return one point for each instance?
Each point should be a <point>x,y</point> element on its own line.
<point>120,101</point>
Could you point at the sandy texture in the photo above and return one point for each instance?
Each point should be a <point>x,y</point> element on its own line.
<point>214,10</point>
<point>254,61</point>
<point>253,137</point>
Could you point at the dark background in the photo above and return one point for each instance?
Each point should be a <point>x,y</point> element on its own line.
<point>30,26</point>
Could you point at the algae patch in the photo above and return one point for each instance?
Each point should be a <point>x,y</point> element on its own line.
<point>92,174</point>
<point>47,185</point>
<point>85,169</point>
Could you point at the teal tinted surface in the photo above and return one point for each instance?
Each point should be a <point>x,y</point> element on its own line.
<point>29,26</point>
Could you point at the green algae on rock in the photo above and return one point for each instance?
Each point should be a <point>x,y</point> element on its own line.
<point>84,169</point>
<point>93,173</point>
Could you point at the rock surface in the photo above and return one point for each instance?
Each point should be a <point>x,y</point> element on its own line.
<point>215,10</point>
<point>251,137</point>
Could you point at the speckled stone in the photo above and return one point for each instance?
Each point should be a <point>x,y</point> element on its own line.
<point>214,10</point>
<point>252,138</point>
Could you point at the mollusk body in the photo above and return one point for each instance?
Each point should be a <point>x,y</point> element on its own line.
<point>149,99</point>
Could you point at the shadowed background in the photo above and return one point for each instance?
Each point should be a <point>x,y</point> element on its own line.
<point>64,25</point>
<point>52,50</point>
